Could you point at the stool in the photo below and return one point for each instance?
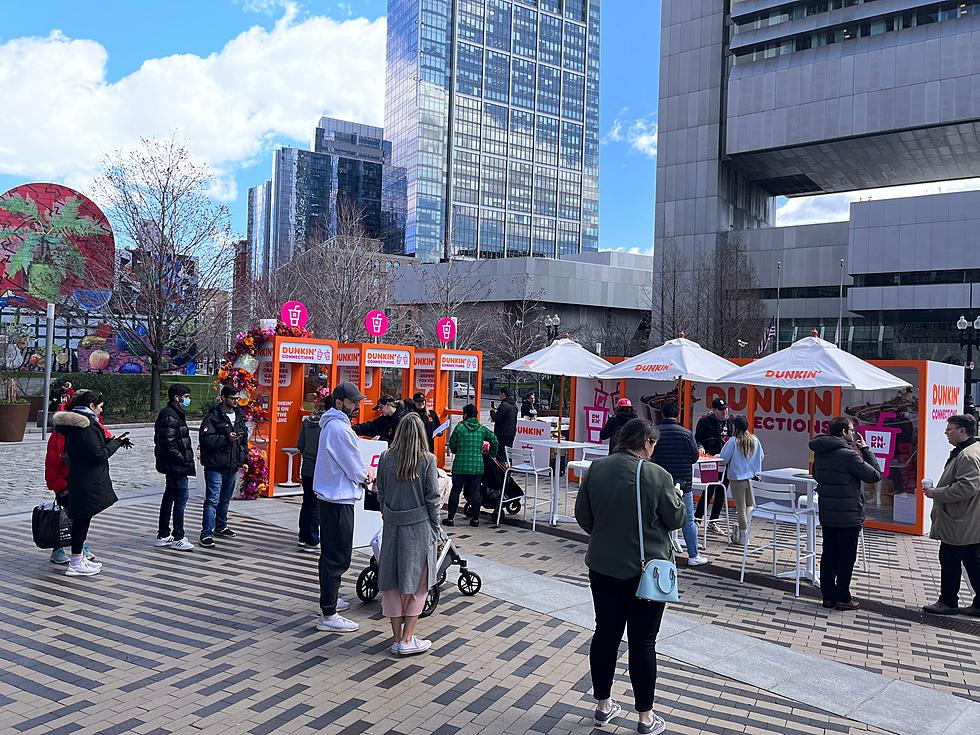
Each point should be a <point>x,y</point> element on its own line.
<point>291,453</point>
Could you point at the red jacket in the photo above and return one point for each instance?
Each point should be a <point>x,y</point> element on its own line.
<point>55,467</point>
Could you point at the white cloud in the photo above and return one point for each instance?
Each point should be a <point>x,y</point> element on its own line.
<point>634,250</point>
<point>836,207</point>
<point>640,133</point>
<point>61,114</point>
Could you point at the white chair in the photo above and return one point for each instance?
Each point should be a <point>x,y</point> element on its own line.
<point>707,488</point>
<point>581,466</point>
<point>778,504</point>
<point>522,461</point>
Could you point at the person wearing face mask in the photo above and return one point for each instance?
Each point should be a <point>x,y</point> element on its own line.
<point>224,450</point>
<point>175,460</point>
<point>339,480</point>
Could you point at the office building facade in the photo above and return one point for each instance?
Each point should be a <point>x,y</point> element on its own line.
<point>492,108</point>
<point>258,231</point>
<point>767,98</point>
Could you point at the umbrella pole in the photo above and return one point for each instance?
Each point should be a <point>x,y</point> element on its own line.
<point>811,399</point>
<point>561,396</point>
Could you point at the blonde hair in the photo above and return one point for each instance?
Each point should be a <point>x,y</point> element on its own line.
<point>409,446</point>
<point>743,438</point>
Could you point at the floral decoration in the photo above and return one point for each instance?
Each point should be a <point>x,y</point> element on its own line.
<point>255,475</point>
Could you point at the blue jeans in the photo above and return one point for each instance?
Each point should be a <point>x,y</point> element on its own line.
<point>174,501</point>
<point>690,528</point>
<point>220,488</point>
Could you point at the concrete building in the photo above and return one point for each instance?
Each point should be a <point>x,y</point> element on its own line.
<point>493,112</point>
<point>768,98</point>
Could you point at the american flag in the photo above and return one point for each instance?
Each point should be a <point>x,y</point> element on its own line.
<point>769,335</point>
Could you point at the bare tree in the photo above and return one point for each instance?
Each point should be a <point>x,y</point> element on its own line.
<point>671,307</point>
<point>516,328</point>
<point>738,310</point>
<point>175,250</point>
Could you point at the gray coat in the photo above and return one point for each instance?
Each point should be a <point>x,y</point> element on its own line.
<point>410,513</point>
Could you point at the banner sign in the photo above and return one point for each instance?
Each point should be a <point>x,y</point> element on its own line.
<point>305,353</point>
<point>348,357</point>
<point>460,363</point>
<point>384,357</point>
<point>424,361</point>
<point>534,430</point>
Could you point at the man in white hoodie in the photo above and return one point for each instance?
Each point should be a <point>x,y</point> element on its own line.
<point>338,482</point>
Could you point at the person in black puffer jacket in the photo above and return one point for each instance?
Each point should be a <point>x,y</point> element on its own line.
<point>224,450</point>
<point>392,410</point>
<point>624,413</point>
<point>676,452</point>
<point>841,462</point>
<point>174,454</point>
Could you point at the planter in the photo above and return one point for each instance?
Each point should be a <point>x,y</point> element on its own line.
<point>36,403</point>
<point>13,421</point>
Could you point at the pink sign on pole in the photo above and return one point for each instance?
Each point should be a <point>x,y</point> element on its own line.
<point>376,323</point>
<point>294,314</point>
<point>446,329</point>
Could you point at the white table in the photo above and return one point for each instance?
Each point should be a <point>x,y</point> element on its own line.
<point>559,447</point>
<point>805,486</point>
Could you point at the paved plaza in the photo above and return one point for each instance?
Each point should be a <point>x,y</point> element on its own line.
<point>223,640</point>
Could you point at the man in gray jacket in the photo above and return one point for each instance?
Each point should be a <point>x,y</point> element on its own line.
<point>956,518</point>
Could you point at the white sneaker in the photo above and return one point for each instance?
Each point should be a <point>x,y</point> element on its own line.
<point>716,528</point>
<point>335,624</point>
<point>342,605</point>
<point>161,542</point>
<point>85,569</point>
<point>96,564</point>
<point>414,646</point>
<point>396,647</point>
<point>182,545</point>
<point>697,561</point>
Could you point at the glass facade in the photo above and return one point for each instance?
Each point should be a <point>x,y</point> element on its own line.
<point>492,107</point>
<point>258,230</point>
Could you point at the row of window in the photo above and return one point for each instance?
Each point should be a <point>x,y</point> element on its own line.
<point>547,39</point>
<point>918,278</point>
<point>489,234</point>
<point>519,187</point>
<point>863,29</point>
<point>788,12</point>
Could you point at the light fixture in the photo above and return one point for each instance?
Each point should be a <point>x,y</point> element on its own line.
<point>976,323</point>
<point>962,323</point>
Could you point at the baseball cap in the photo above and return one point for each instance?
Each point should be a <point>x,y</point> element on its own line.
<point>384,401</point>
<point>347,390</point>
<point>418,397</point>
<point>719,404</point>
<point>624,403</point>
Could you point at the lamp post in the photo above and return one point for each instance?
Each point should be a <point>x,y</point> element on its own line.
<point>552,324</point>
<point>969,338</point>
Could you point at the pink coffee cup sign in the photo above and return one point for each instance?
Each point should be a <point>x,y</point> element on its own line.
<point>376,323</point>
<point>446,330</point>
<point>294,314</point>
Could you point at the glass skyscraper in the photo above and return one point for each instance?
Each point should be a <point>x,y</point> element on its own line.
<point>492,108</point>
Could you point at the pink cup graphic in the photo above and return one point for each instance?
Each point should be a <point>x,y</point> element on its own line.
<point>446,329</point>
<point>376,323</point>
<point>294,314</point>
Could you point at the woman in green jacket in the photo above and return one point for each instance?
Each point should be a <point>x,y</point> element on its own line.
<point>606,510</point>
<point>467,445</point>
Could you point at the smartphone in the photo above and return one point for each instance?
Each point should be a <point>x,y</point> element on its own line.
<point>123,435</point>
<point>493,404</point>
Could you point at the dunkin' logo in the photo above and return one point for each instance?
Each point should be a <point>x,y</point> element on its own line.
<point>946,395</point>
<point>658,368</point>
<point>793,374</point>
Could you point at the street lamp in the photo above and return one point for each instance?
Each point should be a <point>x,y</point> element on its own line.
<point>742,344</point>
<point>552,324</point>
<point>969,338</point>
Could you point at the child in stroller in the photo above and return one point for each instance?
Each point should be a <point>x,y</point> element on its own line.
<point>491,488</point>
<point>469,582</point>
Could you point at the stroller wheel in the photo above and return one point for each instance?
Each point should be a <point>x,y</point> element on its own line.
<point>367,584</point>
<point>442,579</point>
<point>469,583</point>
<point>512,508</point>
<point>430,602</point>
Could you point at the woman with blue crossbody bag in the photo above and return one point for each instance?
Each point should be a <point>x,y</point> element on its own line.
<point>629,506</point>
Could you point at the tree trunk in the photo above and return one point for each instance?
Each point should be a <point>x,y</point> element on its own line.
<point>154,386</point>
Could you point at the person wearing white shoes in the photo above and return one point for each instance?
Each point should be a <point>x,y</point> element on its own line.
<point>743,457</point>
<point>89,485</point>
<point>339,480</point>
<point>174,455</point>
<point>408,492</point>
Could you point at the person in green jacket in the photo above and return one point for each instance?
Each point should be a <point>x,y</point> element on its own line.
<point>606,509</point>
<point>467,445</point>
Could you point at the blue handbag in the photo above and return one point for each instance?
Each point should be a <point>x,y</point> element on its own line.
<point>658,578</point>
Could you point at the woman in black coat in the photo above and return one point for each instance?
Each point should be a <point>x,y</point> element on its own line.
<point>87,451</point>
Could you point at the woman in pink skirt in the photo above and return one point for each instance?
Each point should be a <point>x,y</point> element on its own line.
<point>408,490</point>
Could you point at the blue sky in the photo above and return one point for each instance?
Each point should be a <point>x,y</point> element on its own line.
<point>114,70</point>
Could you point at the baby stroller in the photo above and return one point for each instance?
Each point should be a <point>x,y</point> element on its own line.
<point>490,489</point>
<point>469,582</point>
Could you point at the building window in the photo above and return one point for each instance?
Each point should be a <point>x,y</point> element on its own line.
<point>549,90</point>
<point>464,231</point>
<point>471,21</point>
<point>497,83</point>
<point>523,80</point>
<point>575,10</point>
<point>518,235</point>
<point>498,25</point>
<point>573,96</point>
<point>469,70</point>
<point>568,238</point>
<point>466,130</point>
<point>466,177</point>
<point>519,191</point>
<point>549,40</point>
<point>543,238</point>
<point>574,47</point>
<point>525,41</point>
<point>521,135</point>
<point>571,145</point>
<point>569,195</point>
<point>546,141</point>
<point>492,233</point>
<point>493,183</point>
<point>545,191</point>
<point>495,130</point>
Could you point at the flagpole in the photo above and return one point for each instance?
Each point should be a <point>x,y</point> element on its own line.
<point>840,306</point>
<point>779,286</point>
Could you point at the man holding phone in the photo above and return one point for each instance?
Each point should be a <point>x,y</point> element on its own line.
<point>224,450</point>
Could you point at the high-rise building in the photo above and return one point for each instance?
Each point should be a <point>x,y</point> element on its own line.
<point>258,230</point>
<point>312,192</point>
<point>492,108</point>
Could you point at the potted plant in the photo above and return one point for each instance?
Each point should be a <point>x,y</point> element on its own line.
<point>13,413</point>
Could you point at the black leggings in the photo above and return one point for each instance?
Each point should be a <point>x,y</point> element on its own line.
<point>470,487</point>
<point>717,500</point>
<point>617,608</point>
<point>79,532</point>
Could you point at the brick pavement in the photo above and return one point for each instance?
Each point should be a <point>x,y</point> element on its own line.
<point>222,641</point>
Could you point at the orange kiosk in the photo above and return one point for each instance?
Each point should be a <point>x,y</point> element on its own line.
<point>361,363</point>
<point>281,376</point>
<point>435,371</point>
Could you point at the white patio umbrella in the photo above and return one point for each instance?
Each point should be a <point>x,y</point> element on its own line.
<point>564,357</point>
<point>814,363</point>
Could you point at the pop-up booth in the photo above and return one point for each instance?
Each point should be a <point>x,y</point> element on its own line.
<point>363,363</point>
<point>435,373</point>
<point>903,427</point>
<point>282,363</point>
